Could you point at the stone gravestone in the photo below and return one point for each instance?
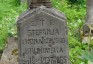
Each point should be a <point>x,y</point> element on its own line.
<point>42,37</point>
<point>88,26</point>
<point>10,53</point>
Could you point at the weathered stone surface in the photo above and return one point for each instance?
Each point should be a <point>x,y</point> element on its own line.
<point>89,14</point>
<point>89,23</point>
<point>36,3</point>
<point>7,62</point>
<point>43,37</point>
<point>10,54</point>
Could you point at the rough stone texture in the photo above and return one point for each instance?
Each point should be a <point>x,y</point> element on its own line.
<point>36,3</point>
<point>89,16</point>
<point>10,54</point>
<point>89,22</point>
<point>43,37</point>
<point>7,62</point>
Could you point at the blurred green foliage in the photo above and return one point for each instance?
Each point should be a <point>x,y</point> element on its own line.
<point>9,11</point>
<point>77,2</point>
<point>75,11</point>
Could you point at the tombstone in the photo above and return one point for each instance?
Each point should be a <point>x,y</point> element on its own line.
<point>42,35</point>
<point>89,16</point>
<point>88,26</point>
<point>10,53</point>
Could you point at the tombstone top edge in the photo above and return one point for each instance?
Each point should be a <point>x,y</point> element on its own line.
<point>51,11</point>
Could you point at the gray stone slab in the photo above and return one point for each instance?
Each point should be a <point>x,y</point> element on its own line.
<point>43,37</point>
<point>89,14</point>
<point>10,53</point>
<point>36,3</point>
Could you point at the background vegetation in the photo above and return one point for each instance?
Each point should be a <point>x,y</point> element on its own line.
<point>75,11</point>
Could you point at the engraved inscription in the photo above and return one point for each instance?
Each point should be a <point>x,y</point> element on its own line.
<point>33,23</point>
<point>43,32</point>
<point>51,22</point>
<point>41,22</point>
<point>43,40</point>
<point>43,50</point>
<point>46,60</point>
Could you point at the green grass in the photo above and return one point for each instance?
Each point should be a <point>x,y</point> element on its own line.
<point>10,10</point>
<point>75,19</point>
